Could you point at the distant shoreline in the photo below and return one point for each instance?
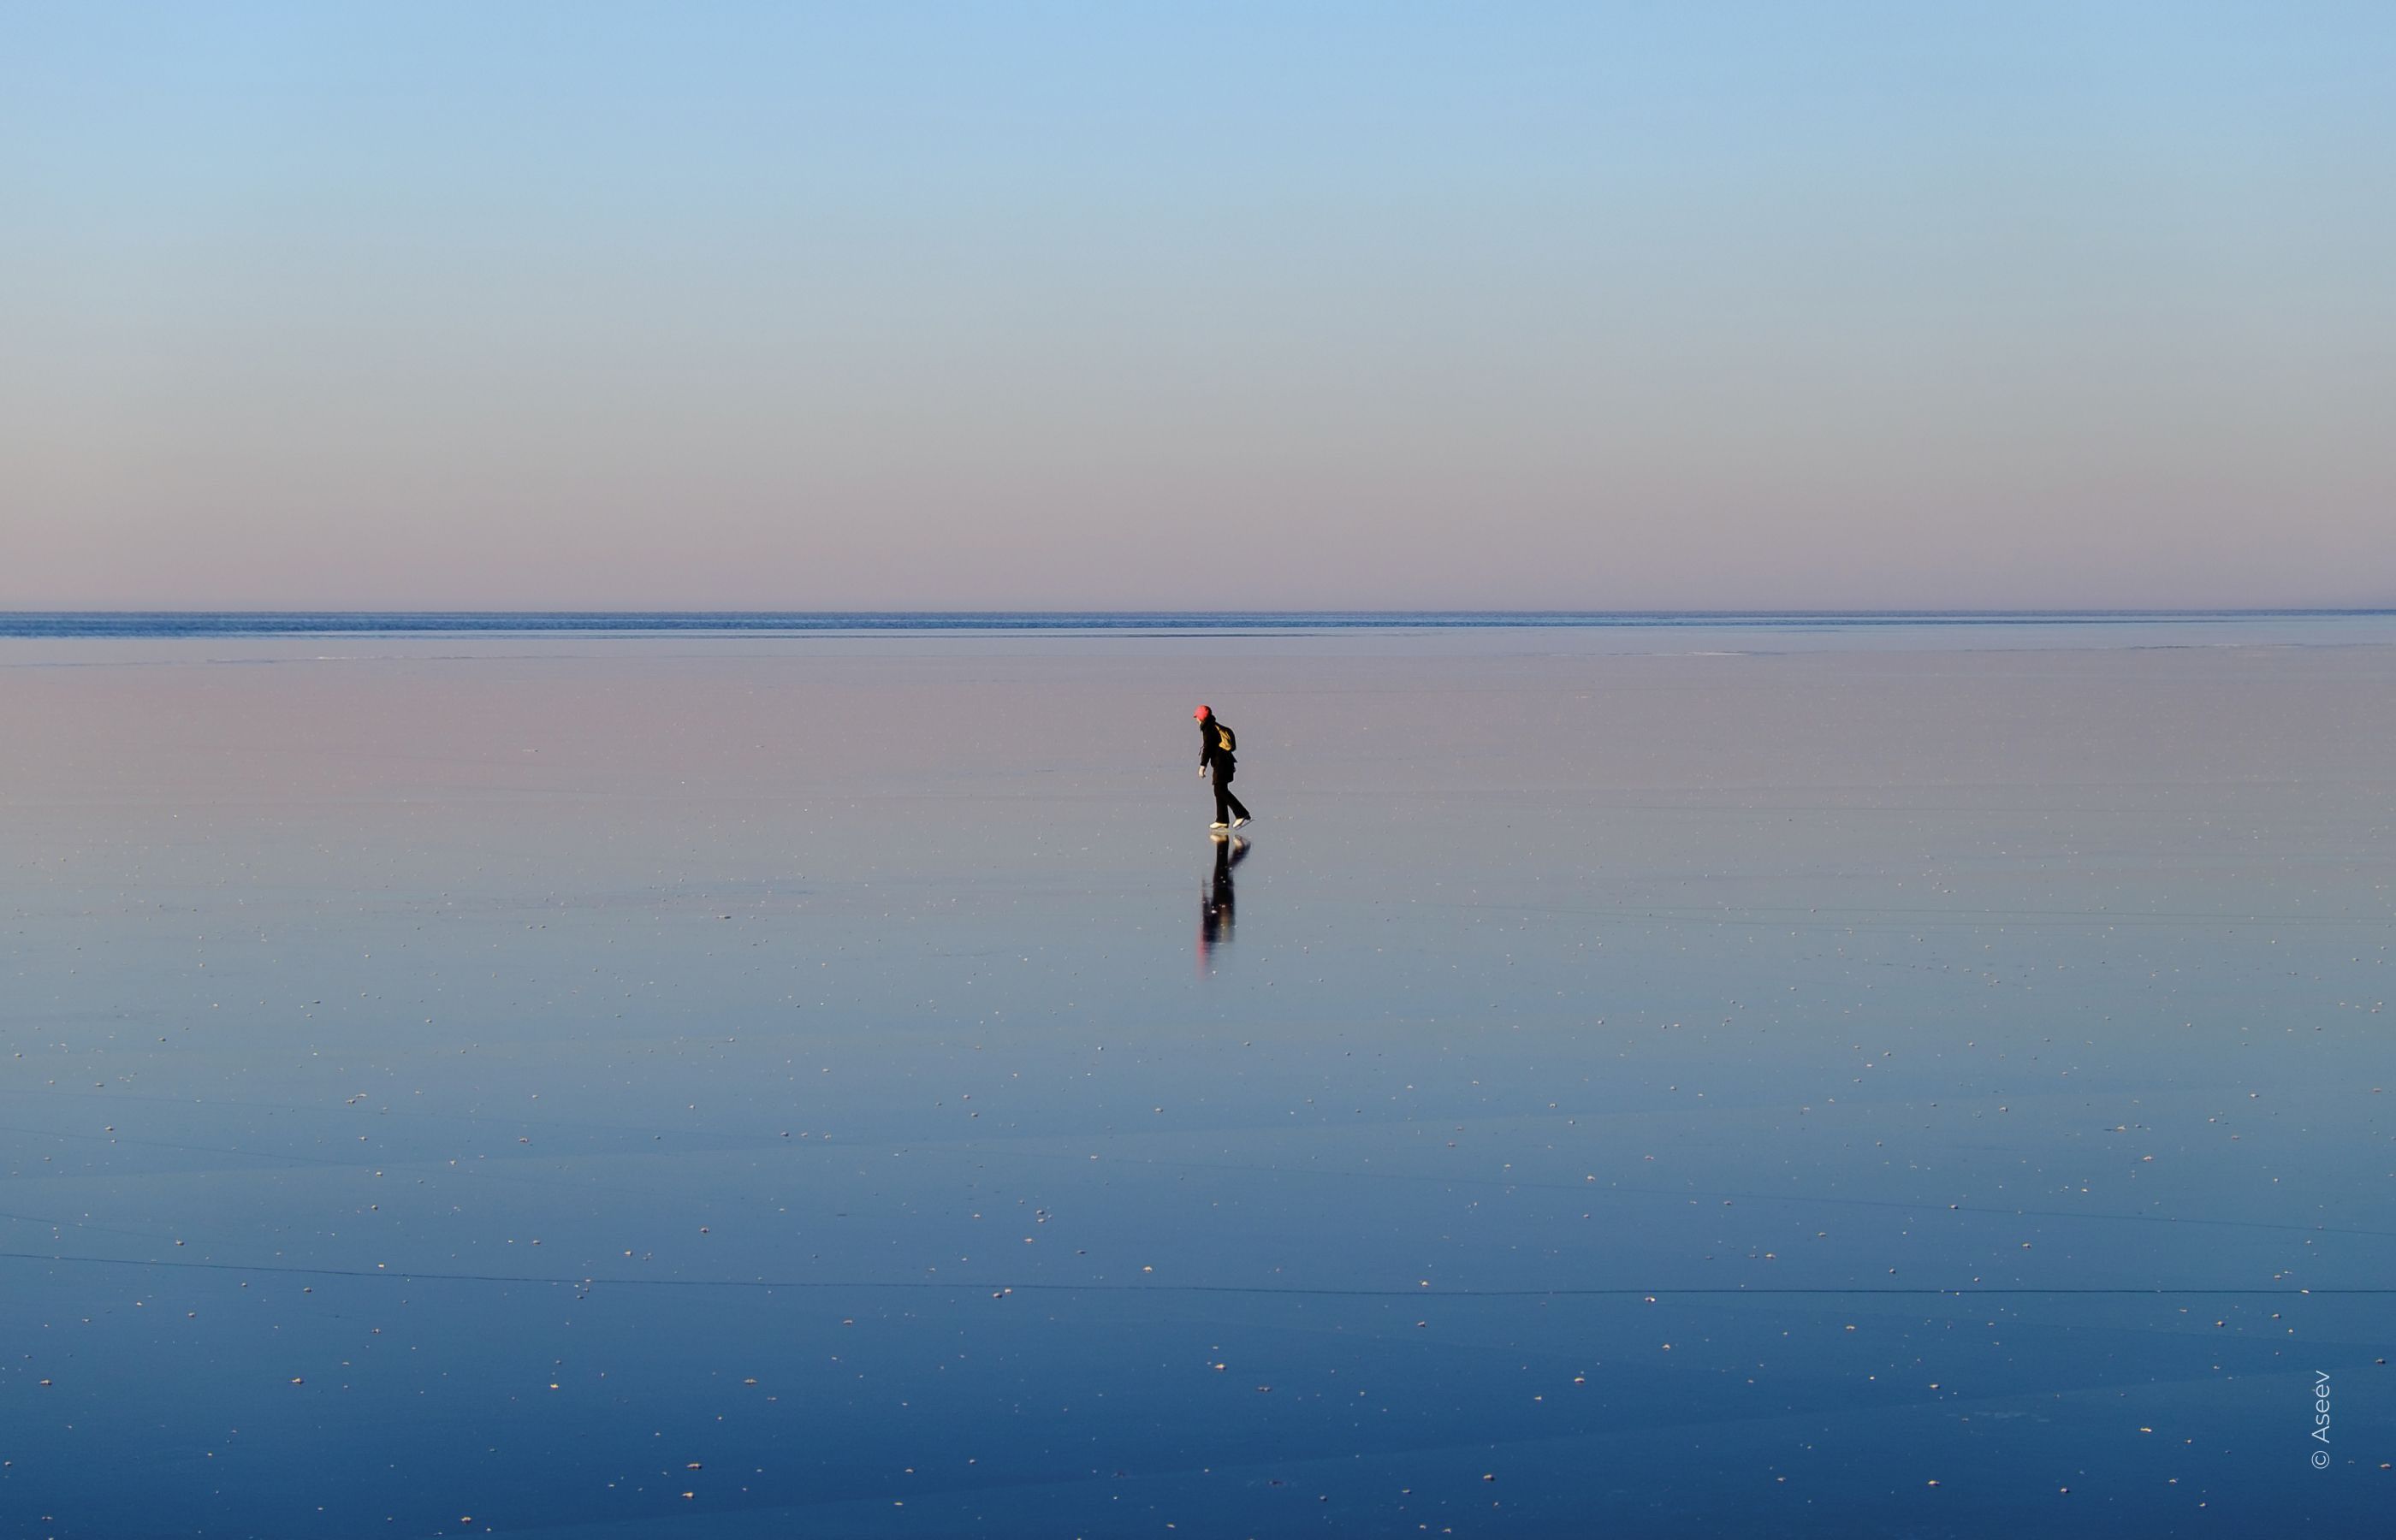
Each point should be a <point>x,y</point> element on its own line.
<point>232,623</point>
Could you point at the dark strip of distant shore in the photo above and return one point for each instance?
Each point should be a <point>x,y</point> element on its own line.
<point>172,623</point>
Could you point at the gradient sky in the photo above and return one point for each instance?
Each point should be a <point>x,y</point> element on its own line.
<point>1370,305</point>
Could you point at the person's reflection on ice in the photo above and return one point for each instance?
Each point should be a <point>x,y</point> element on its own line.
<point>1215,898</point>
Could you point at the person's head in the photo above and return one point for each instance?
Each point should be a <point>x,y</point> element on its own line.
<point>1201,713</point>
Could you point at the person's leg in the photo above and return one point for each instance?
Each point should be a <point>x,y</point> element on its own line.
<point>1227,801</point>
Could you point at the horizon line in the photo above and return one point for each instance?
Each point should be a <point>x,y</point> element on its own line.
<point>1531,611</point>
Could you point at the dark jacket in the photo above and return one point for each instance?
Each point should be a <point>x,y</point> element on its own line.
<point>1217,747</point>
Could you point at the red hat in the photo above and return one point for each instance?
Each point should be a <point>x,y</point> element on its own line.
<point>1203,712</point>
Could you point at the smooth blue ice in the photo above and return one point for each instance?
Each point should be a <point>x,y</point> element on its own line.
<point>1729,1075</point>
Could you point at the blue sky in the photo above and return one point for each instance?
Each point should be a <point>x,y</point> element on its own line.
<point>1136,306</point>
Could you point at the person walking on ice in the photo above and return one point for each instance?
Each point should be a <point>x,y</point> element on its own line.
<point>1217,751</point>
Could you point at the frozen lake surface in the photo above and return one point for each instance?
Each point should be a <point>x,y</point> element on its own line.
<point>1780,1078</point>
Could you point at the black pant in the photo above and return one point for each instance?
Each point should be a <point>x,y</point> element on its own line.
<point>1226,806</point>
